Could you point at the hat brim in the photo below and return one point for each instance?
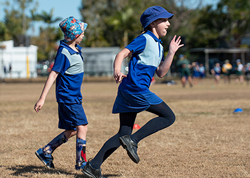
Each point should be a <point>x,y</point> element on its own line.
<point>85,26</point>
<point>163,15</point>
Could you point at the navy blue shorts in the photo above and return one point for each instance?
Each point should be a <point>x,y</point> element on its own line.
<point>70,116</point>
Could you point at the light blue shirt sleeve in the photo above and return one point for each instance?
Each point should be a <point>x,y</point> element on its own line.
<point>61,63</point>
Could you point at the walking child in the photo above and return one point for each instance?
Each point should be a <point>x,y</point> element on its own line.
<point>68,72</point>
<point>134,95</point>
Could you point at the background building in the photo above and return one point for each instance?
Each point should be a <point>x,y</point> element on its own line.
<point>17,62</point>
<point>99,61</point>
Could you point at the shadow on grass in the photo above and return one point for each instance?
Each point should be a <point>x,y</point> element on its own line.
<point>21,170</point>
<point>105,175</point>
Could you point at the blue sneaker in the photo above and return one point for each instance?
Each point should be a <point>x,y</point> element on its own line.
<point>45,158</point>
<point>81,166</point>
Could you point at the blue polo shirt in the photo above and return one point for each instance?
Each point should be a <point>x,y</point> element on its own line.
<point>133,93</point>
<point>146,57</point>
<point>69,64</point>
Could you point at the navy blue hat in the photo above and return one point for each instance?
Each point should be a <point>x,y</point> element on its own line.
<point>181,55</point>
<point>153,13</point>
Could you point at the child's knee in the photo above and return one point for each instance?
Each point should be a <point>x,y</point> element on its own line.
<point>172,118</point>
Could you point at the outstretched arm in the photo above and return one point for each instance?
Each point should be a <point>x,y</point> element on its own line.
<point>50,80</point>
<point>118,75</point>
<point>165,65</point>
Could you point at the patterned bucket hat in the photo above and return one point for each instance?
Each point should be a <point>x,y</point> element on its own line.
<point>72,28</point>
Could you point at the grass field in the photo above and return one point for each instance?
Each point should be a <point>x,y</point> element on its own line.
<point>207,140</point>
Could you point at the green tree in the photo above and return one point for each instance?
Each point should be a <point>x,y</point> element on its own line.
<point>4,35</point>
<point>47,43</point>
<point>47,18</point>
<point>116,23</point>
<point>239,17</point>
<point>122,21</point>
<point>16,20</point>
<point>48,37</point>
<point>223,26</point>
<point>92,13</point>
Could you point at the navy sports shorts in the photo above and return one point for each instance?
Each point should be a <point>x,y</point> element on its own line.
<point>70,116</point>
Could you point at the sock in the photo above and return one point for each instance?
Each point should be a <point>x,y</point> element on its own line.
<point>56,142</point>
<point>80,151</point>
<point>83,154</point>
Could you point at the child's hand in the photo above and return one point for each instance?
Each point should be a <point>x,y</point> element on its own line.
<point>175,44</point>
<point>38,106</point>
<point>118,76</point>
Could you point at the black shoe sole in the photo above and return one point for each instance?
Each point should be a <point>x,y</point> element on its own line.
<point>88,174</point>
<point>124,145</point>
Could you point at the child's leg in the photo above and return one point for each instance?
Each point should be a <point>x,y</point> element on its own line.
<point>126,126</point>
<point>81,144</point>
<point>45,153</point>
<point>70,133</point>
<point>165,118</point>
<point>57,141</point>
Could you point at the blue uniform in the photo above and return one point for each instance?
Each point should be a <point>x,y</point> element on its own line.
<point>133,93</point>
<point>196,72</point>
<point>69,64</point>
<point>217,70</point>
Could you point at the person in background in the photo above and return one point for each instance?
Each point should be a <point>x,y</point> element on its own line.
<point>247,72</point>
<point>195,72</point>
<point>239,72</point>
<point>202,71</point>
<point>10,70</point>
<point>184,66</point>
<point>226,69</point>
<point>215,71</point>
<point>5,71</point>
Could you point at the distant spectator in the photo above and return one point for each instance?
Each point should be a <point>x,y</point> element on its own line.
<point>226,69</point>
<point>10,69</point>
<point>184,64</point>
<point>5,70</point>
<point>247,72</point>
<point>216,70</point>
<point>195,72</point>
<point>239,71</point>
<point>202,71</point>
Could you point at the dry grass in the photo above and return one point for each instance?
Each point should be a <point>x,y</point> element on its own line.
<point>207,139</point>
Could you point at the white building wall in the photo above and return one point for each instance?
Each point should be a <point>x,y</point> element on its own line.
<point>99,61</point>
<point>17,57</point>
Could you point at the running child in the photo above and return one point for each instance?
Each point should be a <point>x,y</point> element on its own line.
<point>68,72</point>
<point>133,94</point>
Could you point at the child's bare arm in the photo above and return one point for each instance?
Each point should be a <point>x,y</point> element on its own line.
<point>118,75</point>
<point>173,47</point>
<point>50,80</point>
